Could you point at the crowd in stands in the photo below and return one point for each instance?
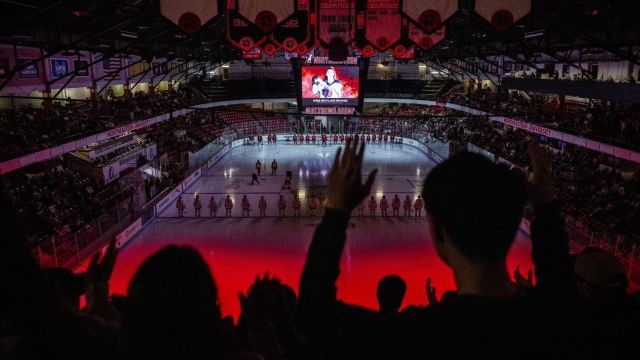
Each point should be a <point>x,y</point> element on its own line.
<point>616,123</point>
<point>27,129</point>
<point>594,192</point>
<point>576,307</point>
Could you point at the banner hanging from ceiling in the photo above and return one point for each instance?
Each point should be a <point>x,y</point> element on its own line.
<point>429,15</point>
<point>382,23</point>
<point>336,18</point>
<point>270,25</point>
<point>502,14</point>
<point>189,15</point>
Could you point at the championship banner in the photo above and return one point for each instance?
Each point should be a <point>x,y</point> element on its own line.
<point>383,22</point>
<point>30,72</point>
<point>59,67</point>
<point>424,41</point>
<point>137,69</point>
<point>336,18</point>
<point>294,33</point>
<point>189,15</point>
<point>269,25</point>
<point>502,14</point>
<point>429,15</point>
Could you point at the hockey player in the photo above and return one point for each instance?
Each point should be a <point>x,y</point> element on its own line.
<point>282,205</point>
<point>197,205</point>
<point>384,205</point>
<point>275,139</point>
<point>395,204</point>
<point>274,167</point>
<point>386,138</point>
<point>228,206</point>
<point>269,139</point>
<point>180,206</point>
<point>258,167</point>
<point>308,138</point>
<point>254,179</point>
<point>418,206</point>
<point>213,207</point>
<point>313,139</point>
<point>335,139</point>
<point>296,206</point>
<point>262,205</point>
<point>373,205</point>
<point>246,206</point>
<point>259,139</point>
<point>407,206</point>
<point>295,139</point>
<point>368,139</point>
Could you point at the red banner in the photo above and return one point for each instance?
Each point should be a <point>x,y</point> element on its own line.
<point>383,23</point>
<point>336,18</point>
<point>429,15</point>
<point>502,14</point>
<point>189,15</point>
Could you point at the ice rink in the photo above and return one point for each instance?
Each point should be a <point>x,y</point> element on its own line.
<point>238,248</point>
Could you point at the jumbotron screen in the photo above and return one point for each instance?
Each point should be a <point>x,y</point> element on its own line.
<point>330,85</point>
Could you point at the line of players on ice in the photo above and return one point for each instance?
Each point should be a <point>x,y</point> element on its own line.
<point>313,204</point>
<point>325,139</point>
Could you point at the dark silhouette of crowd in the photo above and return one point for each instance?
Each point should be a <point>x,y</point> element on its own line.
<point>595,190</point>
<point>573,306</point>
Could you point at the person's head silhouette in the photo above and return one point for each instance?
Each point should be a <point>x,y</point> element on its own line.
<point>474,209</point>
<point>391,290</point>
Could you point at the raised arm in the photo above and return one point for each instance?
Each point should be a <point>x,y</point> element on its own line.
<point>549,239</point>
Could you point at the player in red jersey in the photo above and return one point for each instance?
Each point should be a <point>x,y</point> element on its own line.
<point>258,167</point>
<point>282,205</point>
<point>395,204</point>
<point>384,205</point>
<point>386,138</point>
<point>380,139</point>
<point>419,204</point>
<point>368,139</point>
<point>295,139</point>
<point>269,139</point>
<point>197,205</point>
<point>296,206</point>
<point>313,139</point>
<point>324,140</point>
<point>180,206</point>
<point>373,205</point>
<point>260,139</point>
<point>275,138</point>
<point>274,167</point>
<point>246,206</point>
<point>407,206</point>
<point>213,207</point>
<point>262,205</point>
<point>335,139</point>
<point>228,206</point>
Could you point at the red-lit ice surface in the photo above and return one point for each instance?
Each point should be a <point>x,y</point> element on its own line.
<point>238,248</point>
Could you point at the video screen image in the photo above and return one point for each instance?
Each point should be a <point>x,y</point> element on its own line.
<point>327,85</point>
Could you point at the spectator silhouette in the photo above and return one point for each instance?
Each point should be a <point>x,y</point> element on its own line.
<point>474,210</point>
<point>391,290</point>
<point>172,309</point>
